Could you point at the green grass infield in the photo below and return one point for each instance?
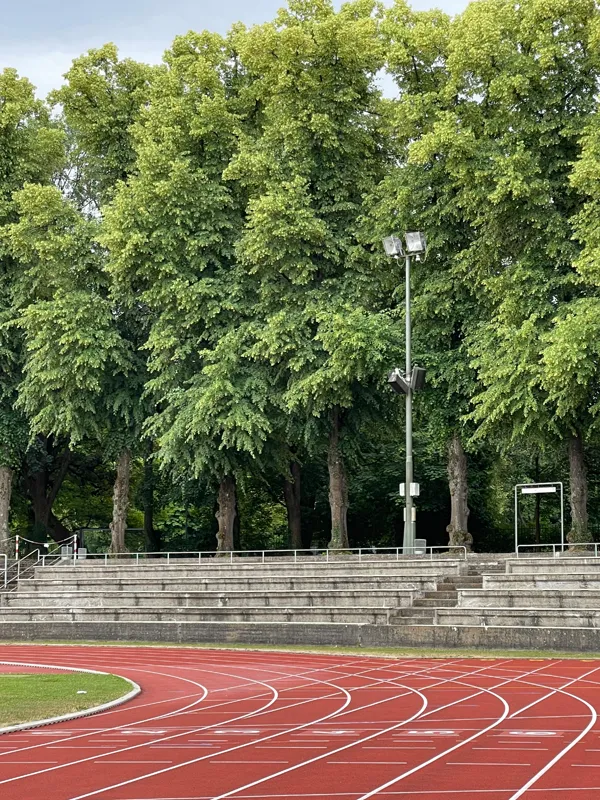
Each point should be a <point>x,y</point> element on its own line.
<point>33,697</point>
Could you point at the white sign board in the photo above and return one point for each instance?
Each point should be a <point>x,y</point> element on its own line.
<point>540,488</point>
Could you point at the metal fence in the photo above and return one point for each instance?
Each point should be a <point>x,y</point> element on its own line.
<point>589,549</point>
<point>356,554</point>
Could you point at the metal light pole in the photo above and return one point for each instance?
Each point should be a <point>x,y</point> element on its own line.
<point>410,512</point>
<point>411,380</point>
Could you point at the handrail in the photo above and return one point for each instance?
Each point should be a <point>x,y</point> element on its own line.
<point>21,570</point>
<point>557,549</point>
<point>360,554</point>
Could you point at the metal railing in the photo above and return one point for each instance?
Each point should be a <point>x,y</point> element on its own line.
<point>589,549</point>
<point>22,568</point>
<point>326,555</point>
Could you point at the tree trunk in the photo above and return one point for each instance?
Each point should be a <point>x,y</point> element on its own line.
<point>152,536</point>
<point>6,476</point>
<point>120,503</point>
<point>338,486</point>
<point>43,486</point>
<point>458,482</point>
<point>579,492</point>
<point>226,514</point>
<point>291,491</point>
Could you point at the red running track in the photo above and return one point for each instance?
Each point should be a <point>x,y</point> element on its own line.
<point>214,724</point>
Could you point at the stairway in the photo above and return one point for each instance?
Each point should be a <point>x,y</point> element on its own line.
<point>445,595</point>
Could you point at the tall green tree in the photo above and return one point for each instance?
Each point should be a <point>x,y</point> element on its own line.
<point>319,320</point>
<point>522,81</point>
<point>171,232</point>
<point>84,376</point>
<point>417,195</point>
<point>30,151</point>
<point>102,98</point>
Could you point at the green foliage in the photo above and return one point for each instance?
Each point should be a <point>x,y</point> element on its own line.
<point>190,253</point>
<point>102,99</point>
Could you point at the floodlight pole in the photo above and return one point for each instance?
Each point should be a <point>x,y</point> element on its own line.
<point>409,522</point>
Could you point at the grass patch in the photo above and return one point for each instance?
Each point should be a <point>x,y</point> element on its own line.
<point>28,698</point>
<point>381,652</point>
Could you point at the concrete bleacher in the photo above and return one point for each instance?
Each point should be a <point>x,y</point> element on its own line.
<point>216,590</point>
<point>560,593</point>
<point>488,601</point>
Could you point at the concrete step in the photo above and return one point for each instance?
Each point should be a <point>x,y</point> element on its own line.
<point>333,597</point>
<point>540,580</point>
<point>574,599</point>
<point>556,566</point>
<point>414,611</point>
<point>461,583</point>
<point>365,615</point>
<point>446,594</point>
<point>298,583</point>
<point>82,571</point>
<point>433,602</point>
<point>519,617</point>
<point>414,619</point>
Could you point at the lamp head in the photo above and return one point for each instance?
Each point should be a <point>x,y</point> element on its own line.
<point>393,246</point>
<point>398,382</point>
<point>416,243</point>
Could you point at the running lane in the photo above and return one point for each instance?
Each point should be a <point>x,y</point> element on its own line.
<point>215,724</point>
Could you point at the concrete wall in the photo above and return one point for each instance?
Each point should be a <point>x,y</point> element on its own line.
<point>371,636</point>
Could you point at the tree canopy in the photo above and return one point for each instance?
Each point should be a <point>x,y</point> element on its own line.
<point>197,317</point>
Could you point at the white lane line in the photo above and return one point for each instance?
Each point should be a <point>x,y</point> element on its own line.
<point>372,736</point>
<point>455,747</point>
<point>373,668</point>
<point>530,705</point>
<point>131,762</point>
<point>272,736</point>
<point>569,747</point>
<point>515,749</point>
<point>436,667</point>
<point>378,667</point>
<point>203,693</point>
<point>393,763</point>
<point>146,744</point>
<point>228,761</point>
<point>485,764</point>
<point>184,709</point>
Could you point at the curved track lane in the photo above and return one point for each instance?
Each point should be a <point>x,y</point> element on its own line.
<point>216,724</point>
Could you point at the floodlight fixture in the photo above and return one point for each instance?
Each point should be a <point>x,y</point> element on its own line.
<point>398,382</point>
<point>417,378</point>
<point>416,243</point>
<point>393,246</point>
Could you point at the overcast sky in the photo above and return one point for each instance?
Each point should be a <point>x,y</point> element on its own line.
<point>41,37</point>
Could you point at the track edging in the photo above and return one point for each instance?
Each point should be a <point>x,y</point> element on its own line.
<point>88,712</point>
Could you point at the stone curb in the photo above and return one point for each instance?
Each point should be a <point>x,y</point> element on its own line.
<point>135,691</point>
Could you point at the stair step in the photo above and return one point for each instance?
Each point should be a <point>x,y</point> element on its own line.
<point>417,611</point>
<point>431,602</point>
<point>445,594</point>
<point>460,583</point>
<point>414,620</point>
